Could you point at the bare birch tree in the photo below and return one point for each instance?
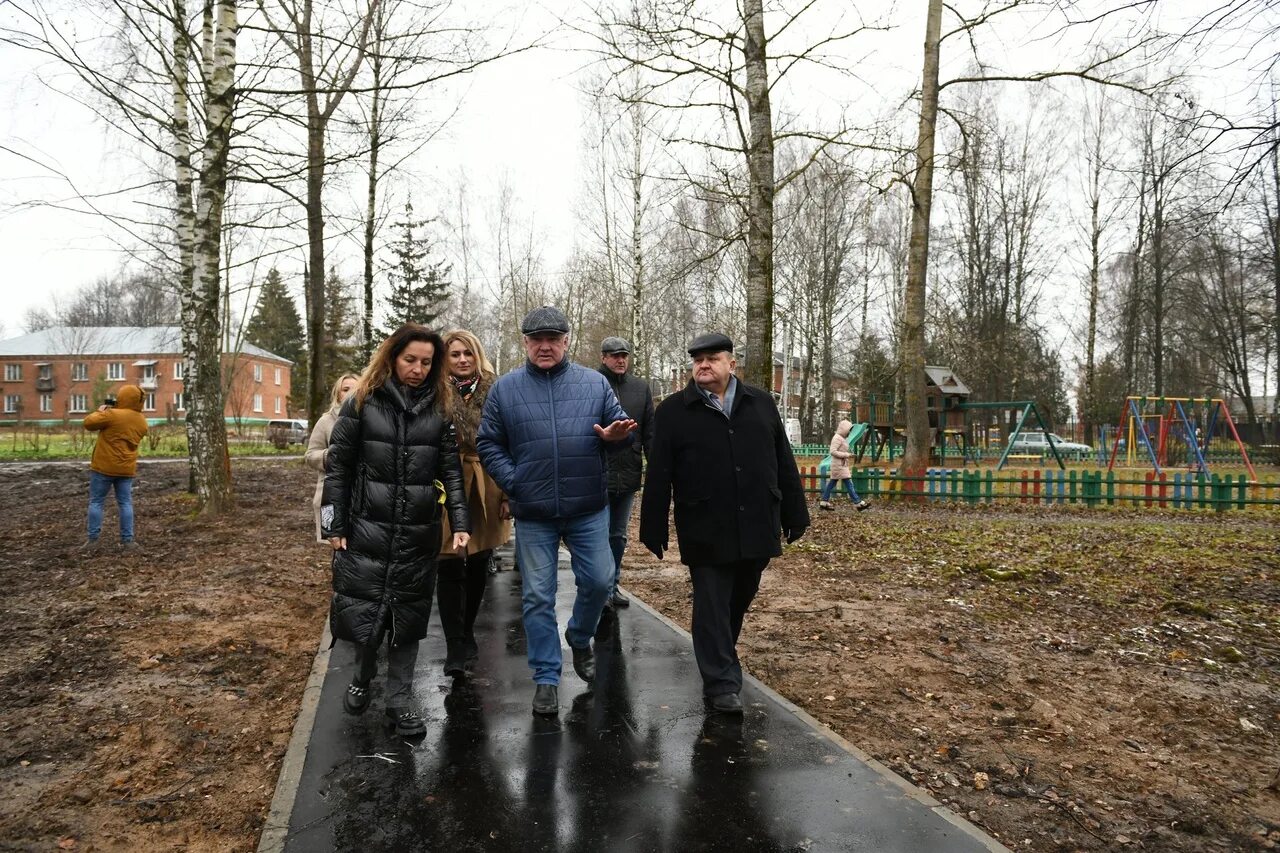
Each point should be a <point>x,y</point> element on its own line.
<point>694,62</point>
<point>1106,69</point>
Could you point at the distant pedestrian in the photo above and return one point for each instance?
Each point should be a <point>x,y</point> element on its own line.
<point>625,467</point>
<point>392,464</point>
<point>542,438</point>
<point>721,452</point>
<point>463,574</point>
<point>839,471</point>
<point>318,444</point>
<point>121,427</point>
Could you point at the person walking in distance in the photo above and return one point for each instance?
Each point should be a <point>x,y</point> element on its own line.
<point>393,461</point>
<point>721,451</point>
<point>625,467</point>
<point>121,426</point>
<point>840,471</point>
<point>462,575</point>
<point>543,438</point>
<point>318,443</point>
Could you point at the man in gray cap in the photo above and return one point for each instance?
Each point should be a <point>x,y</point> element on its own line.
<point>719,448</point>
<point>543,436</point>
<point>625,467</point>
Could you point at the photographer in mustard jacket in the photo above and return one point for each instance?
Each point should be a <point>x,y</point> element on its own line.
<point>120,429</point>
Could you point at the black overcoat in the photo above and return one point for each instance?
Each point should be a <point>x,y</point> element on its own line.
<point>381,493</point>
<point>736,487</point>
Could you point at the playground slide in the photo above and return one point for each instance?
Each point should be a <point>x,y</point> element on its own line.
<point>855,435</point>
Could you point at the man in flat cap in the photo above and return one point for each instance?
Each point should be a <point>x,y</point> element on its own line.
<point>543,436</point>
<point>625,467</point>
<point>719,448</point>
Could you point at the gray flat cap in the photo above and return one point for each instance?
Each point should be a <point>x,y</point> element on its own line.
<point>545,319</point>
<point>613,344</point>
<point>710,342</point>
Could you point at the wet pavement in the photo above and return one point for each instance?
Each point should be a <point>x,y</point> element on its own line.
<point>635,766</point>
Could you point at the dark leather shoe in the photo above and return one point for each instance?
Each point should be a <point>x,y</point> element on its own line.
<point>357,697</point>
<point>546,700</point>
<point>620,600</point>
<point>584,660</point>
<point>406,721</point>
<point>723,703</point>
<point>455,658</point>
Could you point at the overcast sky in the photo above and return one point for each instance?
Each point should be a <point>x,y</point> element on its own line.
<point>521,116</point>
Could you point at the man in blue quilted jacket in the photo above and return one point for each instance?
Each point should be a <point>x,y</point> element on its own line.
<point>543,437</point>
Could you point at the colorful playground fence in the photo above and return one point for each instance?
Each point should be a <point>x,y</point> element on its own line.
<point>1167,490</point>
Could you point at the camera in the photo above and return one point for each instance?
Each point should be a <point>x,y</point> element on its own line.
<point>110,401</point>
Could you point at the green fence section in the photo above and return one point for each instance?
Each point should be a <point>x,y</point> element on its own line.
<point>1051,486</point>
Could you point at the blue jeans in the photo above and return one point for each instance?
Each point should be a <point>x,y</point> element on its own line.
<point>99,486</point>
<point>537,546</point>
<point>830,486</point>
<point>619,516</point>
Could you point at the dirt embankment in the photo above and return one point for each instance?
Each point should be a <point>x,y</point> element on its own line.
<point>148,698</point>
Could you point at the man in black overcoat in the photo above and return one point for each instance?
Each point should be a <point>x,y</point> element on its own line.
<point>720,450</point>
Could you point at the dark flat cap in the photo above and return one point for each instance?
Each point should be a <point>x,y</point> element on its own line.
<point>545,319</point>
<point>710,342</point>
<point>613,344</point>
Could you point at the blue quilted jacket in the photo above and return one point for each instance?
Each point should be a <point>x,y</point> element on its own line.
<point>537,439</point>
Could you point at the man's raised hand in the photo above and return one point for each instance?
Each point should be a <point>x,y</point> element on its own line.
<point>616,431</point>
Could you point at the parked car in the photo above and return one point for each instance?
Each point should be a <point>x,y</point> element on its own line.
<point>1037,442</point>
<point>286,431</point>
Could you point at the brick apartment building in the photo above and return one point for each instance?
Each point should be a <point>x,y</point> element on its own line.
<point>62,373</point>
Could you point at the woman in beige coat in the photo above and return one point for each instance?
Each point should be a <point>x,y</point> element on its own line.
<point>461,577</point>
<point>318,446</point>
<point>840,470</point>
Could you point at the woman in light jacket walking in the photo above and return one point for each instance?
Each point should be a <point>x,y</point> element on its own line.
<point>318,445</point>
<point>462,575</point>
<point>840,470</point>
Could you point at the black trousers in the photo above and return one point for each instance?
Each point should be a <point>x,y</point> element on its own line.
<point>721,595</point>
<point>459,590</point>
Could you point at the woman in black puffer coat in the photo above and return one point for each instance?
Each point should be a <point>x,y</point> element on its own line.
<point>392,463</point>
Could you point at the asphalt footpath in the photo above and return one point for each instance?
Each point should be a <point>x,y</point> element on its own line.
<point>635,765</point>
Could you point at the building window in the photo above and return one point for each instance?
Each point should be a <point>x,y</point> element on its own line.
<point>179,370</point>
<point>115,371</point>
<point>277,405</point>
<point>46,403</point>
<point>79,372</point>
<point>179,401</point>
<point>13,373</point>
<point>257,373</point>
<point>149,371</point>
<point>149,402</point>
<point>79,403</point>
<point>257,402</point>
<point>278,372</point>
<point>45,371</point>
<point>12,402</point>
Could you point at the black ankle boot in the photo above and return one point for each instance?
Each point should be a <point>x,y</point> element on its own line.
<point>455,658</point>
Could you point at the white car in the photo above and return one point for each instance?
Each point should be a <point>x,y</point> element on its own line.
<point>1037,442</point>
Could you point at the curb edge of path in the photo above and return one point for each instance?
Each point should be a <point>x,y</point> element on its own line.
<point>275,829</point>
<point>888,776</point>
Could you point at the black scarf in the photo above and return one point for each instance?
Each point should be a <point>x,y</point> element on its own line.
<point>466,387</point>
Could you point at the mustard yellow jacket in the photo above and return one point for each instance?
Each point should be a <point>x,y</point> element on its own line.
<point>122,429</point>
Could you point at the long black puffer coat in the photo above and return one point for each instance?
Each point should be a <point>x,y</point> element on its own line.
<point>380,493</point>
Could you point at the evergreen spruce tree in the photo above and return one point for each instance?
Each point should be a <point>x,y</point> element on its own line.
<point>418,285</point>
<point>276,326</point>
<point>341,324</point>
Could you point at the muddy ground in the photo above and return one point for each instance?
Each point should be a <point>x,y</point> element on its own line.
<point>1070,681</point>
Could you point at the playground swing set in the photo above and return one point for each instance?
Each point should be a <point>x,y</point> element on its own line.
<point>1161,429</point>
